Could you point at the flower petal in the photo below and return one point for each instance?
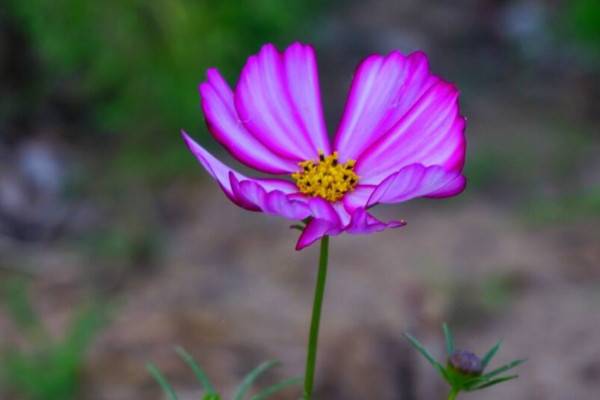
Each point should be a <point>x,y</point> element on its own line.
<point>430,133</point>
<point>315,230</point>
<point>417,180</point>
<point>359,197</point>
<point>278,101</point>
<point>383,90</point>
<point>362,222</point>
<point>274,202</point>
<point>224,176</point>
<point>225,125</point>
<point>322,209</point>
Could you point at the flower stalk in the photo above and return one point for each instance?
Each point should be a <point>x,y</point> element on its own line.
<point>453,394</point>
<point>313,339</point>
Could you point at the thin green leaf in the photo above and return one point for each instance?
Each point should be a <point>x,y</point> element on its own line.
<point>162,381</point>
<point>449,339</point>
<point>252,376</point>
<point>417,345</point>
<point>469,384</point>
<point>198,372</point>
<point>495,382</point>
<point>502,369</point>
<point>266,393</point>
<point>490,354</point>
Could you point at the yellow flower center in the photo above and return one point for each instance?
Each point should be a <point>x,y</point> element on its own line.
<point>326,178</point>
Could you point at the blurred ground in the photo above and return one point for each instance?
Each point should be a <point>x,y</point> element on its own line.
<point>517,256</point>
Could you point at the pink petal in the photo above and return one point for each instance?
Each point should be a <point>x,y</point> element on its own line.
<point>225,125</point>
<point>225,175</point>
<point>383,90</point>
<point>278,101</point>
<point>322,209</point>
<point>363,223</point>
<point>359,222</point>
<point>274,202</point>
<point>359,197</point>
<point>315,230</point>
<point>430,133</point>
<point>417,180</point>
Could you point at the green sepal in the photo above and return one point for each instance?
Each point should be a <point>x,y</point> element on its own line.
<point>449,339</point>
<point>162,381</point>
<point>251,377</point>
<point>490,354</point>
<point>494,382</point>
<point>502,369</point>
<point>198,372</point>
<point>266,393</point>
<point>417,345</point>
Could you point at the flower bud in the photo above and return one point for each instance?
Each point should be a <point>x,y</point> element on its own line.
<point>465,363</point>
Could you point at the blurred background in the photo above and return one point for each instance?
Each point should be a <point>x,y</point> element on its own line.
<point>115,245</point>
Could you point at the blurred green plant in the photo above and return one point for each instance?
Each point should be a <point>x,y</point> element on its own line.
<point>137,64</point>
<point>121,247</point>
<point>582,19</point>
<point>569,207</point>
<point>209,390</point>
<point>42,367</point>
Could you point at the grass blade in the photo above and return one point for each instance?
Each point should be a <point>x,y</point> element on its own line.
<point>502,369</point>
<point>162,381</point>
<point>490,354</point>
<point>449,339</point>
<point>266,393</point>
<point>198,372</point>
<point>252,376</point>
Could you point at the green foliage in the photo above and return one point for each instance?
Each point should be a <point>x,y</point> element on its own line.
<point>45,368</point>
<point>572,206</point>
<point>208,388</point>
<point>583,21</point>
<point>460,381</point>
<point>137,64</point>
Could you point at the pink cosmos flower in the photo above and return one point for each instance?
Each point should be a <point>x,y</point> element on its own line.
<point>401,136</point>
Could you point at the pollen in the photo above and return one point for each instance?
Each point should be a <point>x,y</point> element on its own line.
<point>326,178</point>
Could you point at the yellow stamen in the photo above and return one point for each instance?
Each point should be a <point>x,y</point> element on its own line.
<point>326,178</point>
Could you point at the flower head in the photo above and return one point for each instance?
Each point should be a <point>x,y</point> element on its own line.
<point>466,363</point>
<point>401,136</point>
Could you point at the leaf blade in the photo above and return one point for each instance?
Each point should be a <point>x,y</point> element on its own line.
<point>162,381</point>
<point>198,372</point>
<point>264,394</point>
<point>252,376</point>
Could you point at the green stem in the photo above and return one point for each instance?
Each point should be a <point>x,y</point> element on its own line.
<point>453,394</point>
<point>311,356</point>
